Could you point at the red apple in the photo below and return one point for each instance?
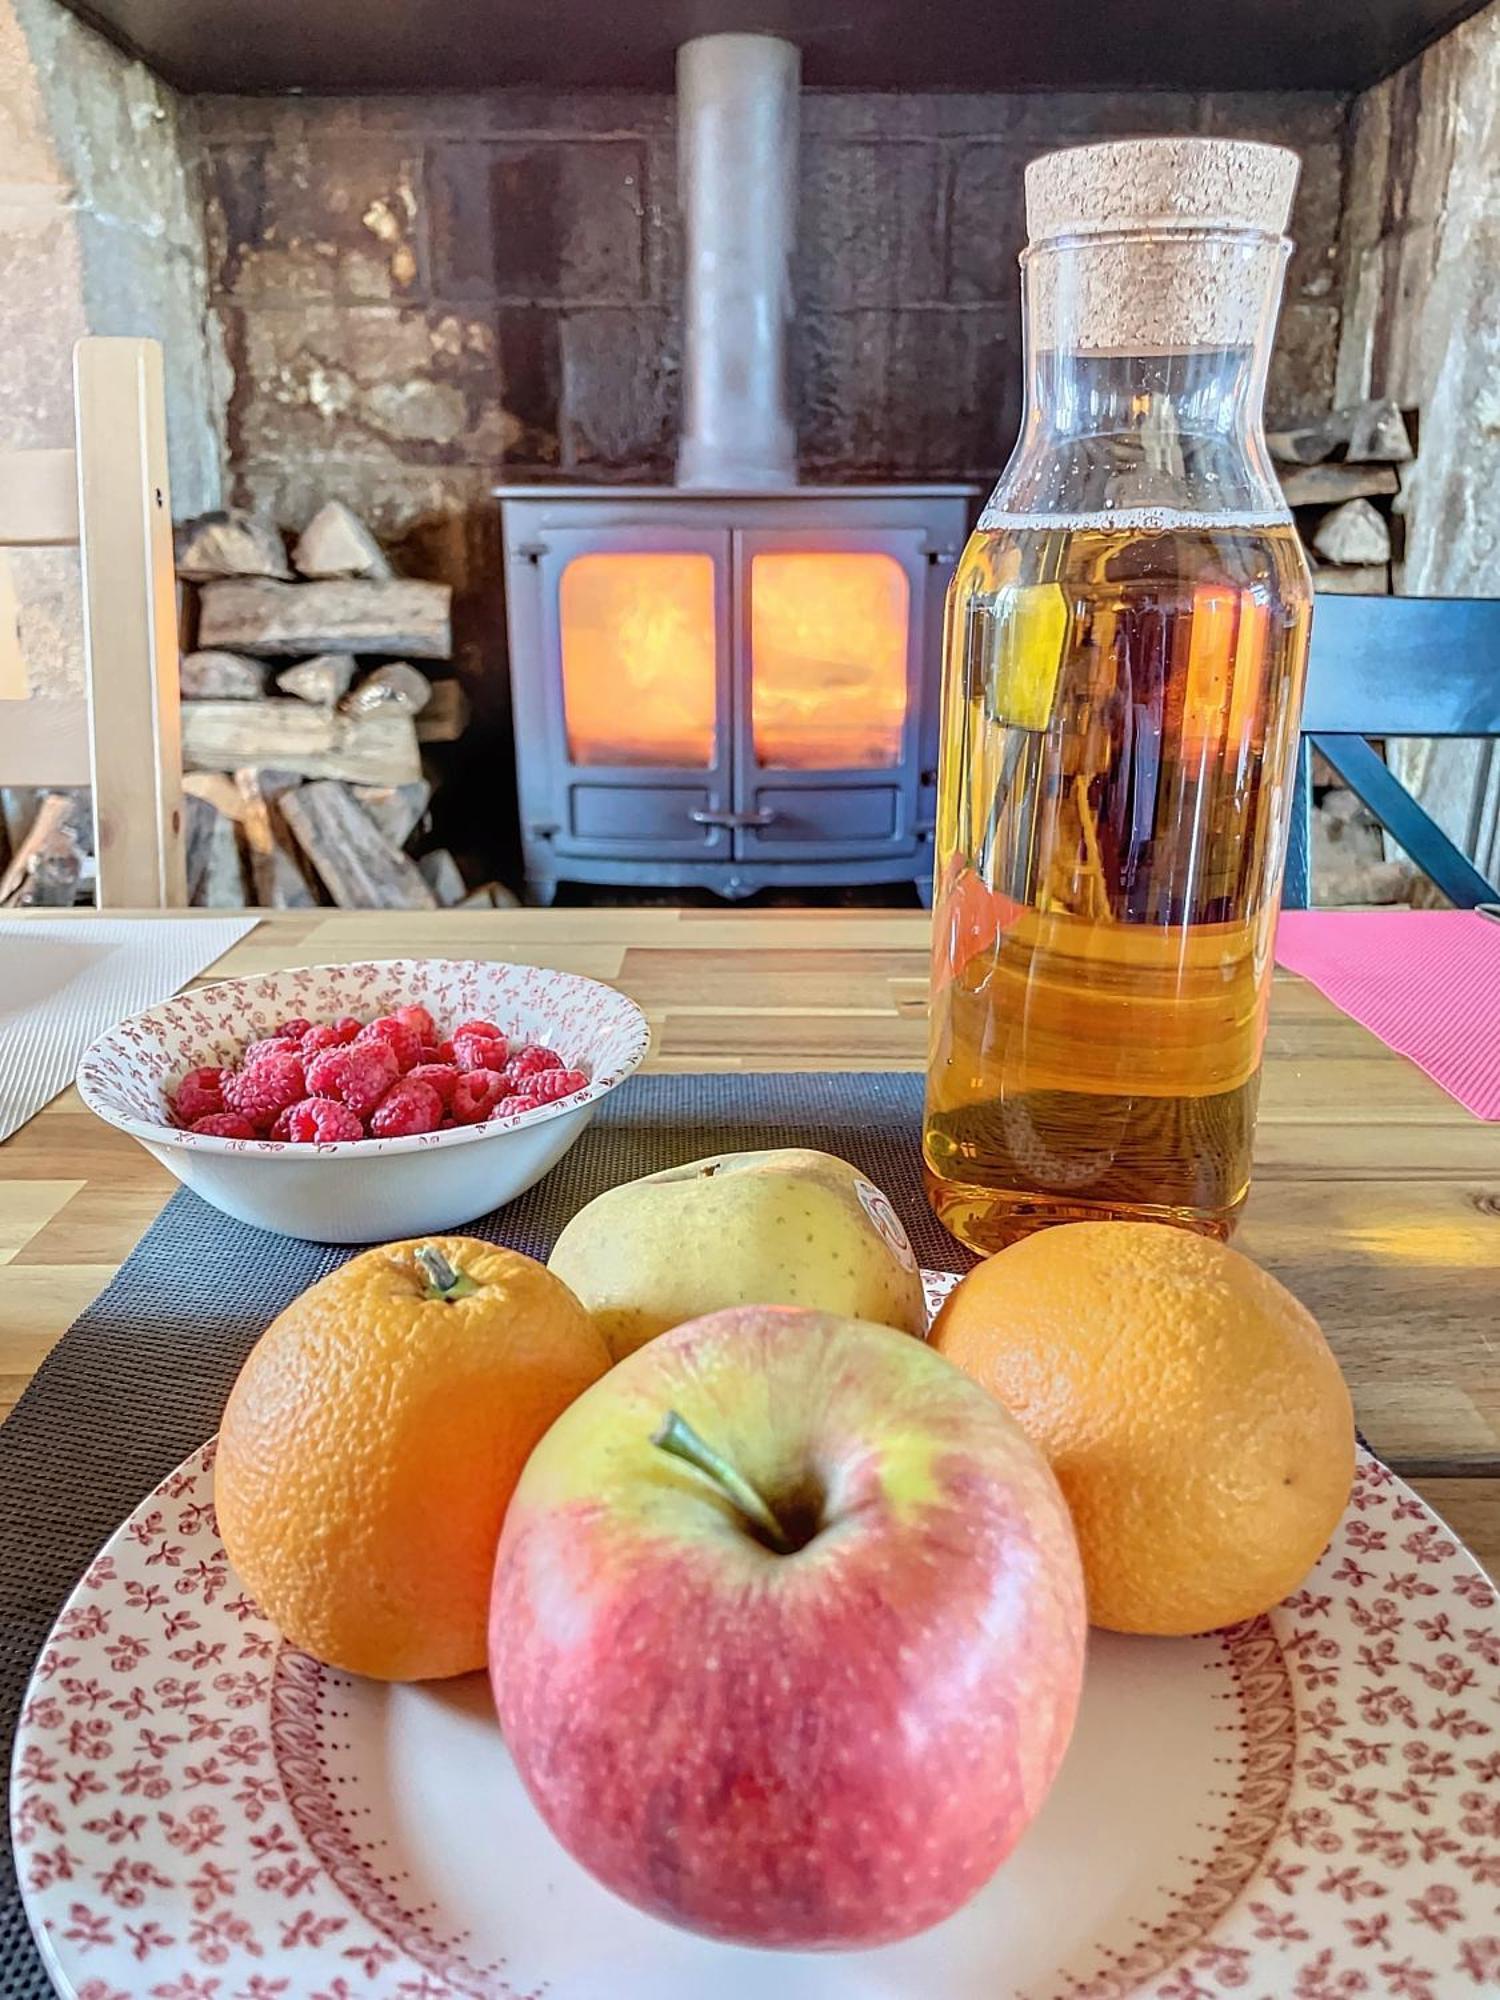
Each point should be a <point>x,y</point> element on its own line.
<point>808,1687</point>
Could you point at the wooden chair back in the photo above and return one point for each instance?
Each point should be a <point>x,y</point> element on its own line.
<point>1395,666</point>
<point>109,496</point>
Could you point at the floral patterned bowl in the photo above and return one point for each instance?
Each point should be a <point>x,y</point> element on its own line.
<point>364,1190</point>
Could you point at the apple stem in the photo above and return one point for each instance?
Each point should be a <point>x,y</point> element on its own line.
<point>676,1436</point>
<point>443,1281</point>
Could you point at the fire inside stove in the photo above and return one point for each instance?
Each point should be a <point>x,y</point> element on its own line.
<point>828,638</point>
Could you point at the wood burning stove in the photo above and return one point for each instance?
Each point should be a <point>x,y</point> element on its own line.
<point>733,690</point>
<point>732,682</point>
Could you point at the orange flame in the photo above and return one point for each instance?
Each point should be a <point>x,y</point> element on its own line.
<point>828,640</point>
<point>828,636</point>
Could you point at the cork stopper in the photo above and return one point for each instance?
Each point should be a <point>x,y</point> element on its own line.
<point>1160,184</point>
<point>1154,245</point>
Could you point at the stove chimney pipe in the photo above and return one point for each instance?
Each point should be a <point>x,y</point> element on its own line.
<point>737,176</point>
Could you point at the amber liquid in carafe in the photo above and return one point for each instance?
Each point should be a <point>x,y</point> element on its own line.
<point>1118,749</point>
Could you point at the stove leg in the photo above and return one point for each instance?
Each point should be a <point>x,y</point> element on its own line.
<point>541,891</point>
<point>924,891</point>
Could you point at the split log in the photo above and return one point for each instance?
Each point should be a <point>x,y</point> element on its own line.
<point>324,679</point>
<point>446,716</point>
<point>443,877</point>
<point>395,809</point>
<point>360,869</point>
<point>45,868</point>
<point>1353,533</point>
<point>215,865</point>
<point>1309,443</point>
<point>1357,580</point>
<point>399,684</point>
<point>379,749</point>
<point>281,882</point>
<point>216,790</point>
<point>1362,882</point>
<point>218,676</point>
<point>1327,485</point>
<point>490,896</point>
<point>336,542</point>
<point>18,804</point>
<point>1342,809</point>
<point>1374,430</point>
<point>1378,432</point>
<point>228,543</point>
<point>369,615</point>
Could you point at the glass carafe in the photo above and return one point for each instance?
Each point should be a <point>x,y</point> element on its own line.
<point>1125,644</point>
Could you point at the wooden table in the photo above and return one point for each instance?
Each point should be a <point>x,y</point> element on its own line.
<point>1377,1198</point>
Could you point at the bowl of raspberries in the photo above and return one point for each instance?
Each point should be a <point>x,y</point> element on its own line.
<point>354,1103</point>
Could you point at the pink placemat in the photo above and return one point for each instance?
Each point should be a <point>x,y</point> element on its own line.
<point>1427,982</point>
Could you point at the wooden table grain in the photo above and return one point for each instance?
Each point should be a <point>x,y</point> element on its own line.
<point>1376,1197</point>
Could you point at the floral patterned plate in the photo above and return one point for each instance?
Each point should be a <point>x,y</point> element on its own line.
<point>1306,1807</point>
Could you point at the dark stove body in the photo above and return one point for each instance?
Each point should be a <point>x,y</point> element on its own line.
<point>730,823</point>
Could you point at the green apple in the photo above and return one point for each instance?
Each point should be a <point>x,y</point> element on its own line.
<point>785,1228</point>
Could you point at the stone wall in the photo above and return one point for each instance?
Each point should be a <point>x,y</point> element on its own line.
<point>1421,244</point>
<point>100,232</point>
<point>419,295</point>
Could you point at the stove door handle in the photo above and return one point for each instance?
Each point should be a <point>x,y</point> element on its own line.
<point>737,821</point>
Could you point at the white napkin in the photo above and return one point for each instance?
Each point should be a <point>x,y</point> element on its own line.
<point>64,980</point>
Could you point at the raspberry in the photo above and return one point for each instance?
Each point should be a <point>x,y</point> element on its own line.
<point>440,1076</point>
<point>370,1068</point>
<point>476,1095</point>
<point>404,1043</point>
<point>265,1087</point>
<point>224,1125</point>
<point>531,1061</point>
<point>324,1036</point>
<point>429,1053</point>
<point>325,1072</point>
<point>268,1045</point>
<point>512,1107</point>
<point>543,1086</point>
<point>317,1121</point>
<point>406,1108</point>
<point>486,1028</point>
<point>295,1029</point>
<point>479,1051</point>
<point>199,1095</point>
<point>419,1021</point>
<point>443,1052</point>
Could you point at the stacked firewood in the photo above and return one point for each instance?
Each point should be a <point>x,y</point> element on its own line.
<point>46,847</point>
<point>305,717</point>
<point>1341,474</point>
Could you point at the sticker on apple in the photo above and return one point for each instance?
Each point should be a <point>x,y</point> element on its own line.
<point>878,1207</point>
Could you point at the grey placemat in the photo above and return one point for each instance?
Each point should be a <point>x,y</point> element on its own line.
<point>139,1380</point>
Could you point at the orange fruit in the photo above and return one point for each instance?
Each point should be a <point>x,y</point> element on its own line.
<point>373,1439</point>
<point>1190,1407</point>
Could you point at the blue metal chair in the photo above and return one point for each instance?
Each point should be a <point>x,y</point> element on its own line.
<point>1395,666</point>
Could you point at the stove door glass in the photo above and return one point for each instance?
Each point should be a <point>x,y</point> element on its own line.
<point>638,658</point>
<point>828,647</point>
